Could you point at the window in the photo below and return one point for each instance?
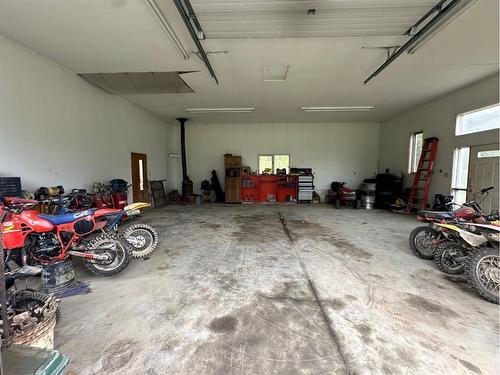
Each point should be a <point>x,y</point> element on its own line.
<point>460,174</point>
<point>141,176</point>
<point>269,163</point>
<point>416,142</point>
<point>488,154</point>
<point>478,121</point>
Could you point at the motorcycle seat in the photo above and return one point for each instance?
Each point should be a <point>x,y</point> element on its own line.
<point>66,218</point>
<point>437,215</point>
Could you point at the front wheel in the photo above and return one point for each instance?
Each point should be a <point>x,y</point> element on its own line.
<point>447,256</point>
<point>116,250</point>
<point>483,273</point>
<point>423,242</point>
<point>142,239</point>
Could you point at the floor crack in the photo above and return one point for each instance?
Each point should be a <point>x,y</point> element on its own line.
<point>334,336</point>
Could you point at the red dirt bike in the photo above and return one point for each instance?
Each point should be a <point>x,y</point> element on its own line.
<point>35,238</point>
<point>142,238</point>
<point>425,239</point>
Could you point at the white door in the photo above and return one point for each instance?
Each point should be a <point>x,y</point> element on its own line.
<point>483,173</point>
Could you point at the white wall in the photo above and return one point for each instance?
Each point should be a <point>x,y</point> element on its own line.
<point>437,119</point>
<point>336,151</point>
<point>57,129</point>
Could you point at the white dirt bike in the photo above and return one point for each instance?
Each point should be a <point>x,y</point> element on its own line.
<point>474,249</point>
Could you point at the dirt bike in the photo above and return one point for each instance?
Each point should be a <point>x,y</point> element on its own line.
<point>424,240</point>
<point>33,238</point>
<point>473,249</point>
<point>142,238</point>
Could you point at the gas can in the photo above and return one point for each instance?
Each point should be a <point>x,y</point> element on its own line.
<point>120,200</point>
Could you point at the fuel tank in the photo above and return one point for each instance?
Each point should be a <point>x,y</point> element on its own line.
<point>38,224</point>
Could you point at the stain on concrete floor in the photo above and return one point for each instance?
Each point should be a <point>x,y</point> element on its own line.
<point>224,293</point>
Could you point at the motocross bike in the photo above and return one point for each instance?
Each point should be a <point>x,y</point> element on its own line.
<point>473,249</point>
<point>142,238</point>
<point>31,237</point>
<point>423,240</point>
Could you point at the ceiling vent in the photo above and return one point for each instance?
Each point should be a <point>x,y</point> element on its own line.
<point>139,83</point>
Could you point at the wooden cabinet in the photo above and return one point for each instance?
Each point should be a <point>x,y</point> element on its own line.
<point>233,189</point>
<point>232,178</point>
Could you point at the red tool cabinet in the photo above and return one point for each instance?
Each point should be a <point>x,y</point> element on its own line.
<point>287,188</point>
<point>249,189</point>
<point>268,189</point>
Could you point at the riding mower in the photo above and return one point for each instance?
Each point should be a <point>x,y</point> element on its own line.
<point>342,196</point>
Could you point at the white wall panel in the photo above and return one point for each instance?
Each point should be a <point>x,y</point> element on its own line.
<point>437,119</point>
<point>336,151</point>
<point>57,129</point>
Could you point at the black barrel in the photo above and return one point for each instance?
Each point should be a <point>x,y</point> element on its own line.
<point>57,277</point>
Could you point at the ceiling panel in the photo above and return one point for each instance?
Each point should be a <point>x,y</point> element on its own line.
<point>226,19</point>
<point>140,83</point>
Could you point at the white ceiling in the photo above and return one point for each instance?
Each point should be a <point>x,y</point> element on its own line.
<point>95,36</point>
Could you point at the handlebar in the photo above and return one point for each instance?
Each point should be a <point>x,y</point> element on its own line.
<point>485,190</point>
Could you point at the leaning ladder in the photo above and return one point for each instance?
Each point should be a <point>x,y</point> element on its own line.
<point>423,175</point>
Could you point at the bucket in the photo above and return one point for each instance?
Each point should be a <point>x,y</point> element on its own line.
<point>40,336</point>
<point>57,277</point>
<point>368,202</point>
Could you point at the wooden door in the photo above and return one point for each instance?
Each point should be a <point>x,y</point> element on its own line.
<point>140,185</point>
<point>483,173</point>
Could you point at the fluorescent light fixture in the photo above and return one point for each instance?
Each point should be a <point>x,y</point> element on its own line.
<point>219,110</point>
<point>167,28</point>
<point>454,13</point>
<point>337,109</point>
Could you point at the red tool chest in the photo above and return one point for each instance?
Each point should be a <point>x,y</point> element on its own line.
<point>287,188</point>
<point>268,189</point>
<point>249,189</point>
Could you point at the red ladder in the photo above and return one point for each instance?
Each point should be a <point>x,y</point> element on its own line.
<point>423,174</point>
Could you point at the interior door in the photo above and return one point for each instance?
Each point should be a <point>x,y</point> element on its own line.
<point>140,185</point>
<point>483,173</point>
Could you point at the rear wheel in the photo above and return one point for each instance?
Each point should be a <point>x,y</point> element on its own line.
<point>483,273</point>
<point>447,256</point>
<point>142,239</point>
<point>114,248</point>
<point>423,241</point>
<point>337,203</point>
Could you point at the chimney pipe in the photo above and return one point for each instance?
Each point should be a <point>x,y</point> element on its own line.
<point>182,122</point>
<point>187,184</point>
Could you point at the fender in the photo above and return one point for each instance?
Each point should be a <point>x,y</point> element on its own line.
<point>448,226</point>
<point>136,206</point>
<point>472,239</point>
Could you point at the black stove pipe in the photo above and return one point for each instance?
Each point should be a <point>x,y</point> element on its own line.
<point>187,184</point>
<point>182,122</point>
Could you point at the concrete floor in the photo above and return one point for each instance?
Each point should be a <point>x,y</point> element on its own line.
<point>228,292</point>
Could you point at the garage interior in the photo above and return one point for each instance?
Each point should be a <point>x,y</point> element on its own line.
<point>281,146</point>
